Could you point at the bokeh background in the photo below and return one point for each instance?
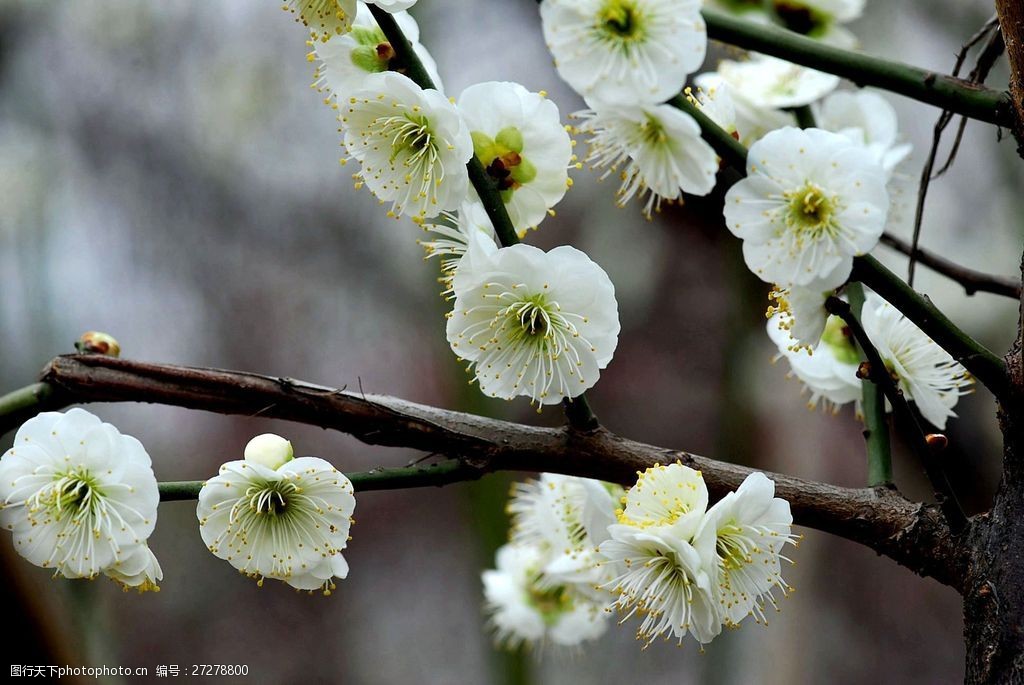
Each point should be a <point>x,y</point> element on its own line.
<point>167,175</point>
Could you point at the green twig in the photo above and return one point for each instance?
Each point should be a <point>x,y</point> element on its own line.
<point>732,151</point>
<point>975,357</point>
<point>804,116</point>
<point>876,428</point>
<point>431,475</point>
<point>941,90</point>
<point>878,373</point>
<point>19,405</point>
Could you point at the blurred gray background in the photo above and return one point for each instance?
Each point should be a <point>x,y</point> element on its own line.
<point>168,176</point>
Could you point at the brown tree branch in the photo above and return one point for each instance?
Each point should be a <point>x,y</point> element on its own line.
<point>971,280</point>
<point>913,534</point>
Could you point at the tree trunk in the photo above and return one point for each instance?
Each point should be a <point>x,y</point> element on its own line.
<point>994,587</point>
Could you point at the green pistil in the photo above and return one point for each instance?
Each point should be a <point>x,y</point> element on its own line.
<point>550,603</point>
<point>270,498</point>
<point>811,212</point>
<point>75,490</point>
<point>837,337</point>
<point>503,160</point>
<point>621,21</point>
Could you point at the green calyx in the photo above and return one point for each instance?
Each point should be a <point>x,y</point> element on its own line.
<point>502,158</point>
<point>837,337</point>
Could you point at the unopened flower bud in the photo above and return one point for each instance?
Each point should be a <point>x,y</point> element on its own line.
<point>95,342</point>
<point>269,450</point>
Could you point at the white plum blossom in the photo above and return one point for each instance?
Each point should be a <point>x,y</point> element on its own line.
<point>290,523</point>
<point>768,82</point>
<point>658,148</point>
<point>519,138</point>
<point>748,122</point>
<point>533,323</point>
<point>140,571</point>
<point>829,370</point>
<point>625,51</point>
<point>79,497</point>
<point>660,574</point>
<point>820,19</point>
<point>800,310</point>
<point>392,6</point>
<point>525,609</point>
<point>324,18</point>
<point>717,104</point>
<point>412,144</point>
<point>566,518</point>
<point>866,118</point>
<point>925,372</point>
<point>451,236</point>
<point>346,60</point>
<point>812,201</point>
<point>741,540</point>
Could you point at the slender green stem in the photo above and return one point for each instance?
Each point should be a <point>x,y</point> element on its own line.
<point>484,185</point>
<point>805,117</point>
<point>429,475</point>
<point>975,357</point>
<point>19,405</point>
<point>878,373</point>
<point>946,92</point>
<point>876,428</point>
<point>28,397</point>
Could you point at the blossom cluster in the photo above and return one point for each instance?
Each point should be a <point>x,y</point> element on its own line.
<point>81,498</point>
<point>581,549</point>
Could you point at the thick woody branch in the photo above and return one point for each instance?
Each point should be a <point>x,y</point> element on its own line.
<point>913,534</point>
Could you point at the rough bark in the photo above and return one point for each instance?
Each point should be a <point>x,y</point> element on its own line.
<point>913,534</point>
<point>1011,23</point>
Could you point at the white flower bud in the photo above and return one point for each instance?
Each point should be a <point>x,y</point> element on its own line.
<point>269,450</point>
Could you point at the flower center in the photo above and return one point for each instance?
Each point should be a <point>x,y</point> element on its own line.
<point>270,498</point>
<point>734,548</point>
<point>620,21</point>
<point>837,337</point>
<point>550,602</point>
<point>811,211</point>
<point>75,494</point>
<point>502,157</point>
